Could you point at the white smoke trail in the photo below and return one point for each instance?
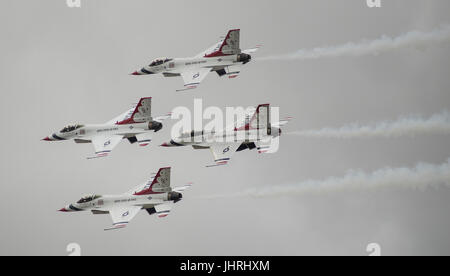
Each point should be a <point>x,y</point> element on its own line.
<point>413,39</point>
<point>404,126</point>
<point>420,177</point>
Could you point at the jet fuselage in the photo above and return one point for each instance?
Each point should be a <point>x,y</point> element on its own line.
<point>206,139</point>
<point>86,132</point>
<point>177,66</point>
<point>101,204</point>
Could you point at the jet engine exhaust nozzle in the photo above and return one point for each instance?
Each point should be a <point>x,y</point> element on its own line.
<point>156,126</point>
<point>244,58</point>
<point>175,197</point>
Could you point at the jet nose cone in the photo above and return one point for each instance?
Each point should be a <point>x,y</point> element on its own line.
<point>47,139</point>
<point>165,145</point>
<point>63,210</point>
<point>135,73</point>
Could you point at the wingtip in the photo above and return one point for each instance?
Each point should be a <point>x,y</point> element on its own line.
<point>97,156</point>
<point>187,88</point>
<point>217,165</point>
<point>115,227</point>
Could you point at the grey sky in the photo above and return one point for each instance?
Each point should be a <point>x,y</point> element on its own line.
<point>62,65</point>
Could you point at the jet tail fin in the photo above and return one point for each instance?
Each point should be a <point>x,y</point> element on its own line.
<point>159,184</point>
<point>228,46</point>
<point>142,113</point>
<point>260,120</point>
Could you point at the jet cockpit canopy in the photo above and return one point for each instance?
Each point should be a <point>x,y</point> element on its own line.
<point>71,128</point>
<point>159,61</point>
<point>88,198</point>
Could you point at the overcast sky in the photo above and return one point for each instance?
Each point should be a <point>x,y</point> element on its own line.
<point>61,65</point>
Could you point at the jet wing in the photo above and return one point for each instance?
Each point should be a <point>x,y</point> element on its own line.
<point>283,122</point>
<point>268,146</point>
<point>182,188</point>
<point>121,216</point>
<point>105,144</point>
<point>252,50</point>
<point>163,210</point>
<point>193,78</point>
<point>144,139</point>
<point>164,117</point>
<point>223,152</point>
<point>230,71</point>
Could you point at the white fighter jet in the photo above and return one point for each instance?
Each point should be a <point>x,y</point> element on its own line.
<point>256,132</point>
<point>136,125</point>
<point>155,196</point>
<point>225,58</point>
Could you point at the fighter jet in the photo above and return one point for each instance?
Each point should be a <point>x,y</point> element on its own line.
<point>225,58</point>
<point>136,125</point>
<point>255,133</point>
<point>155,196</point>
